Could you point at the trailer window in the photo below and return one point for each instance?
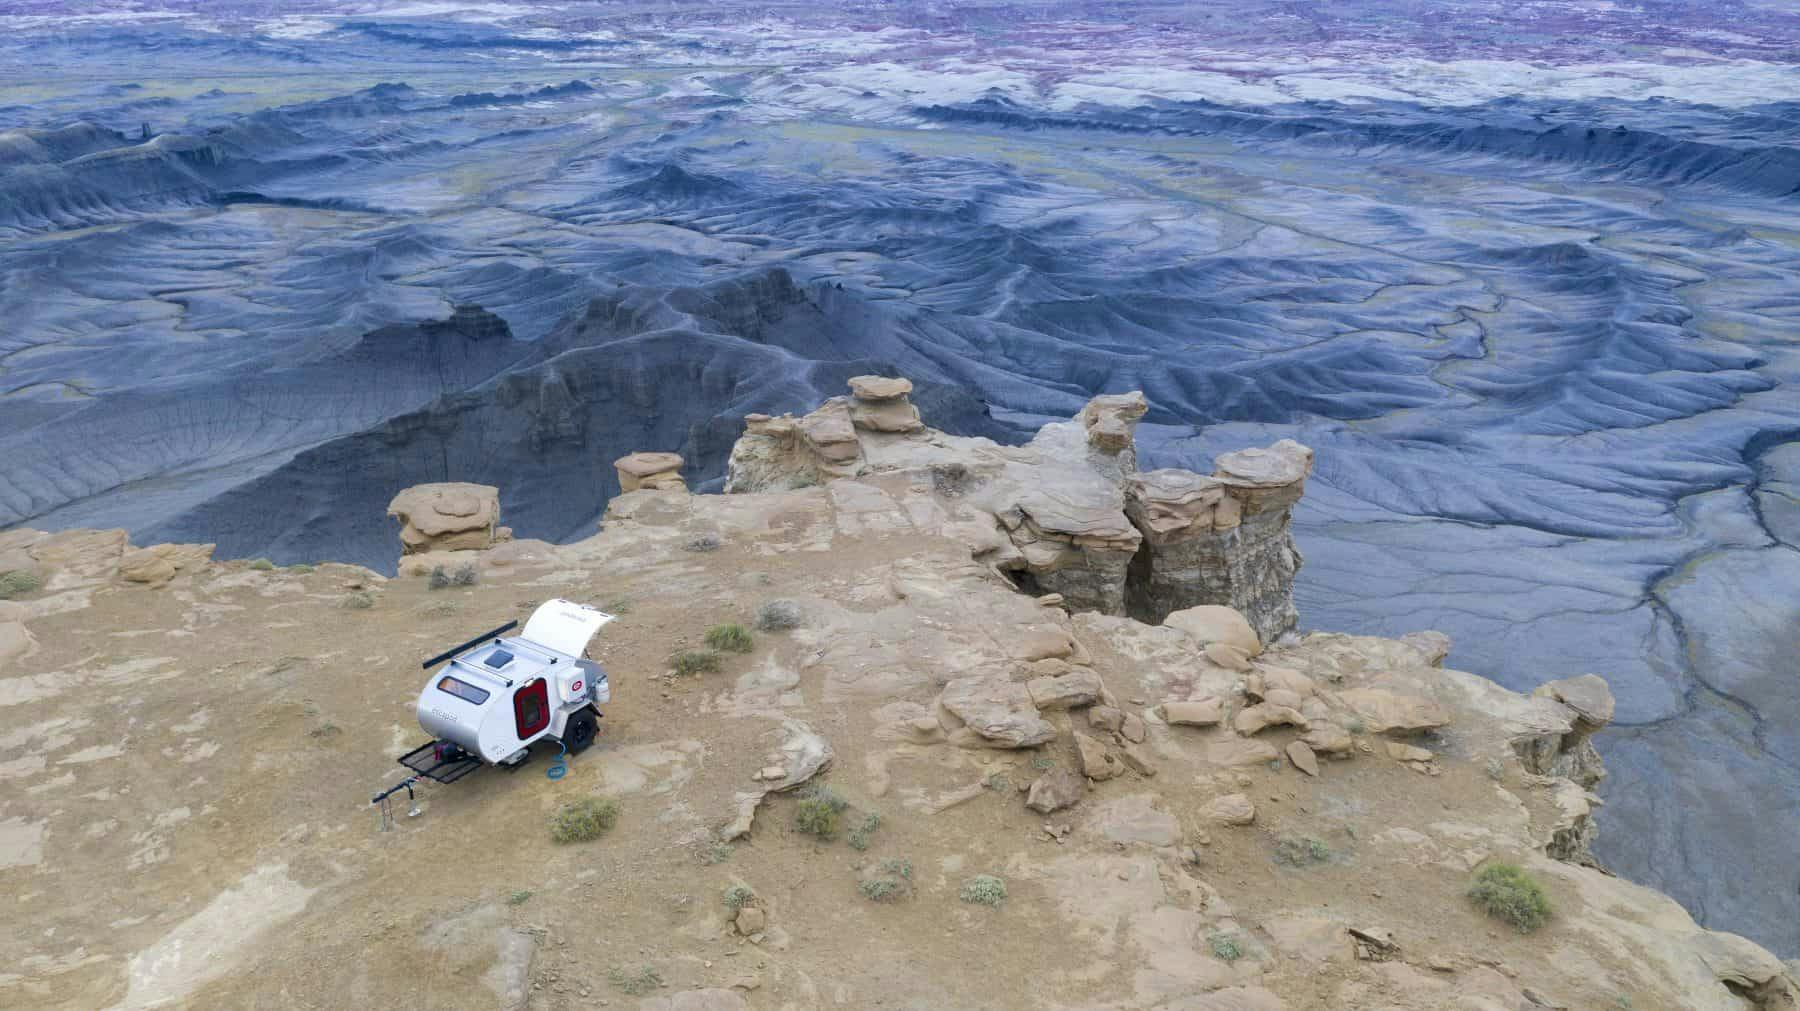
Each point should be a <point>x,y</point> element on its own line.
<point>531,708</point>
<point>462,690</point>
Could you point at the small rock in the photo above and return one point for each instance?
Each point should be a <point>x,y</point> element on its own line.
<point>1231,809</point>
<point>1132,728</point>
<point>1096,760</point>
<point>1408,753</point>
<point>1216,623</point>
<point>1136,760</point>
<point>1330,739</point>
<point>1201,713</point>
<point>1374,944</point>
<point>1302,757</point>
<point>1106,718</point>
<point>750,920</point>
<point>1055,790</point>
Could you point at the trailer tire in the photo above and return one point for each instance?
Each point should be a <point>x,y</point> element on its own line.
<point>579,732</point>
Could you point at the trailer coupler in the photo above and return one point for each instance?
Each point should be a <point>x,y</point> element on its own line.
<point>384,799</point>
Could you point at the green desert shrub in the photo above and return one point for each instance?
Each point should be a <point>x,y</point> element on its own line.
<point>779,616</point>
<point>1507,893</point>
<point>702,543</point>
<point>361,600</point>
<point>859,836</point>
<point>730,638</point>
<point>738,896</point>
<point>438,579</point>
<point>466,575</point>
<point>635,982</point>
<point>519,897</point>
<point>983,889</point>
<point>583,820</point>
<point>262,565</point>
<point>301,570</point>
<point>892,881</point>
<point>15,583</point>
<point>695,661</point>
<point>1301,851</point>
<point>1226,946</point>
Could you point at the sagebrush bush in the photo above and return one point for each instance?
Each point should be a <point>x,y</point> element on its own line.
<point>779,616</point>
<point>695,661</point>
<point>738,896</point>
<point>438,579</point>
<point>635,982</point>
<point>583,820</point>
<point>301,570</point>
<point>262,565</point>
<point>983,889</point>
<point>730,638</point>
<point>1301,851</point>
<point>466,575</point>
<point>816,817</point>
<point>15,583</point>
<point>859,836</point>
<point>361,600</point>
<point>1226,946</point>
<point>518,898</point>
<point>703,542</point>
<point>893,882</point>
<point>1507,893</point>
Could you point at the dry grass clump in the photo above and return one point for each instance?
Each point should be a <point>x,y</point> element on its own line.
<point>1507,893</point>
<point>583,820</point>
<point>730,638</point>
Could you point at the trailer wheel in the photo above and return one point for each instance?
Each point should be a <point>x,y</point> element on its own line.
<point>579,732</point>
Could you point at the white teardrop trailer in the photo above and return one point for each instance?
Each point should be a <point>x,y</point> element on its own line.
<point>497,696</point>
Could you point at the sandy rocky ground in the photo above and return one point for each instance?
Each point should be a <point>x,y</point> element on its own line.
<point>190,745</point>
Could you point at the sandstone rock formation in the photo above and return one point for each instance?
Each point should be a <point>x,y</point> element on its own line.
<point>1224,539</point>
<point>654,471</point>
<point>447,517</point>
<point>1075,517</point>
<point>879,404</point>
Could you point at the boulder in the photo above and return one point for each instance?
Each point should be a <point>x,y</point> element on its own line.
<point>1253,720</point>
<point>1302,756</point>
<point>1055,790</point>
<point>879,404</point>
<point>1208,623</point>
<point>1236,751</point>
<point>1227,656</point>
<point>1111,421</point>
<point>1329,739</point>
<point>1205,712</point>
<point>654,471</point>
<point>1001,712</point>
<point>1132,728</point>
<point>1096,759</point>
<point>1080,687</point>
<point>1136,759</point>
<point>160,562</point>
<point>1106,718</point>
<point>1588,695</point>
<point>453,516</point>
<point>1231,809</point>
<point>750,920</point>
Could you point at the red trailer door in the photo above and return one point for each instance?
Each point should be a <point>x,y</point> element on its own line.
<point>531,708</point>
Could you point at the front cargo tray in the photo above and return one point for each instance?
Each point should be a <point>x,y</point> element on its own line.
<point>452,765</point>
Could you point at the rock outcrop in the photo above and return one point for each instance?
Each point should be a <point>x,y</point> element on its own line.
<point>1075,517</point>
<point>652,471</point>
<point>452,516</point>
<point>1222,539</point>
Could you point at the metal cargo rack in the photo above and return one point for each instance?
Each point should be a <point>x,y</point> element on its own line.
<point>424,761</point>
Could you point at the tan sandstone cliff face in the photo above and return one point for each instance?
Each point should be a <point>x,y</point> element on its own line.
<point>187,765</point>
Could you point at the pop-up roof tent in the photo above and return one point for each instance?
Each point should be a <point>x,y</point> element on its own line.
<point>498,695</point>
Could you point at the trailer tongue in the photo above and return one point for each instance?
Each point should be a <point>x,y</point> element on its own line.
<point>497,695</point>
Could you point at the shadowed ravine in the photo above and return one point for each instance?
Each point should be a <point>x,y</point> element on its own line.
<point>1544,344</point>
